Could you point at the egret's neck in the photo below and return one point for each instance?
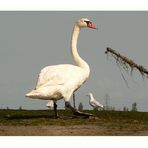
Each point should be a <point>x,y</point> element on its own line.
<point>77,59</point>
<point>91,96</point>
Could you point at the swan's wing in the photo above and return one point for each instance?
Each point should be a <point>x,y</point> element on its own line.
<point>57,75</point>
<point>49,76</point>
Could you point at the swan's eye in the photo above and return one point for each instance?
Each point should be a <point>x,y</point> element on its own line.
<point>88,22</point>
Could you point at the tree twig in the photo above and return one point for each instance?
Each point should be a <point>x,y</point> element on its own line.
<point>126,62</point>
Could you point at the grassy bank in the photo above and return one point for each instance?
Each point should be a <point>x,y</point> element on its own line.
<point>45,117</point>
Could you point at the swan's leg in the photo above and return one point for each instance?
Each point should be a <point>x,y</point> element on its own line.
<point>55,110</point>
<point>74,101</point>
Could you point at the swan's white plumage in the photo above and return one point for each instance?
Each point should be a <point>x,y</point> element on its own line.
<point>55,82</point>
<point>60,81</point>
<point>59,75</point>
<point>93,102</point>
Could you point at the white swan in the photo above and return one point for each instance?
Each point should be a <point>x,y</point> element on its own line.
<point>61,81</point>
<point>93,102</point>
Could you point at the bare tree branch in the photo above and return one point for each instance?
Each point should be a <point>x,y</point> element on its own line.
<point>126,63</point>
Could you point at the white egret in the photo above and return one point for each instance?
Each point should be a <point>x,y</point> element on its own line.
<point>50,104</point>
<point>93,102</point>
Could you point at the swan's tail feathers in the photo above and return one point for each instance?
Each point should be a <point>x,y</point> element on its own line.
<point>33,94</point>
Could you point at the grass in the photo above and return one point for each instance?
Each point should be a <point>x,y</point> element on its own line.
<point>45,117</point>
<point>104,123</point>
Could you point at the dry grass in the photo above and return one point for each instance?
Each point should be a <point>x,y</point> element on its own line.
<point>41,122</point>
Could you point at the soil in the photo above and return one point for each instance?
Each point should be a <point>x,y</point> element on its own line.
<point>75,130</point>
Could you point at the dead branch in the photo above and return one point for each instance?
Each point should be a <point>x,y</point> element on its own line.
<point>126,62</point>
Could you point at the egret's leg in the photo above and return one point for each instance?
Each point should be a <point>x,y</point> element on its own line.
<point>55,110</point>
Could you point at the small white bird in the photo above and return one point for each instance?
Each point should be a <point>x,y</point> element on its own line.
<point>94,103</point>
<point>50,104</point>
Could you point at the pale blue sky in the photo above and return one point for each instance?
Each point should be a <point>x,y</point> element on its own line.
<point>30,41</point>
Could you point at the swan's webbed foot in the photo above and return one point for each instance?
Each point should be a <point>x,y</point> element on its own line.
<point>75,111</point>
<point>78,113</point>
<point>56,117</point>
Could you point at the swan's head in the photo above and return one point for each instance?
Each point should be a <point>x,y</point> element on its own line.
<point>84,22</point>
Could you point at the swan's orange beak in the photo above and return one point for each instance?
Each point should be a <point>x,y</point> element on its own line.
<point>91,25</point>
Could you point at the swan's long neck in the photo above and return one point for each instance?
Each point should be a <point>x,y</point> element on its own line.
<point>77,59</point>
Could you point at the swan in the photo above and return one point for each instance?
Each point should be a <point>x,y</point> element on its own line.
<point>93,102</point>
<point>61,81</point>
